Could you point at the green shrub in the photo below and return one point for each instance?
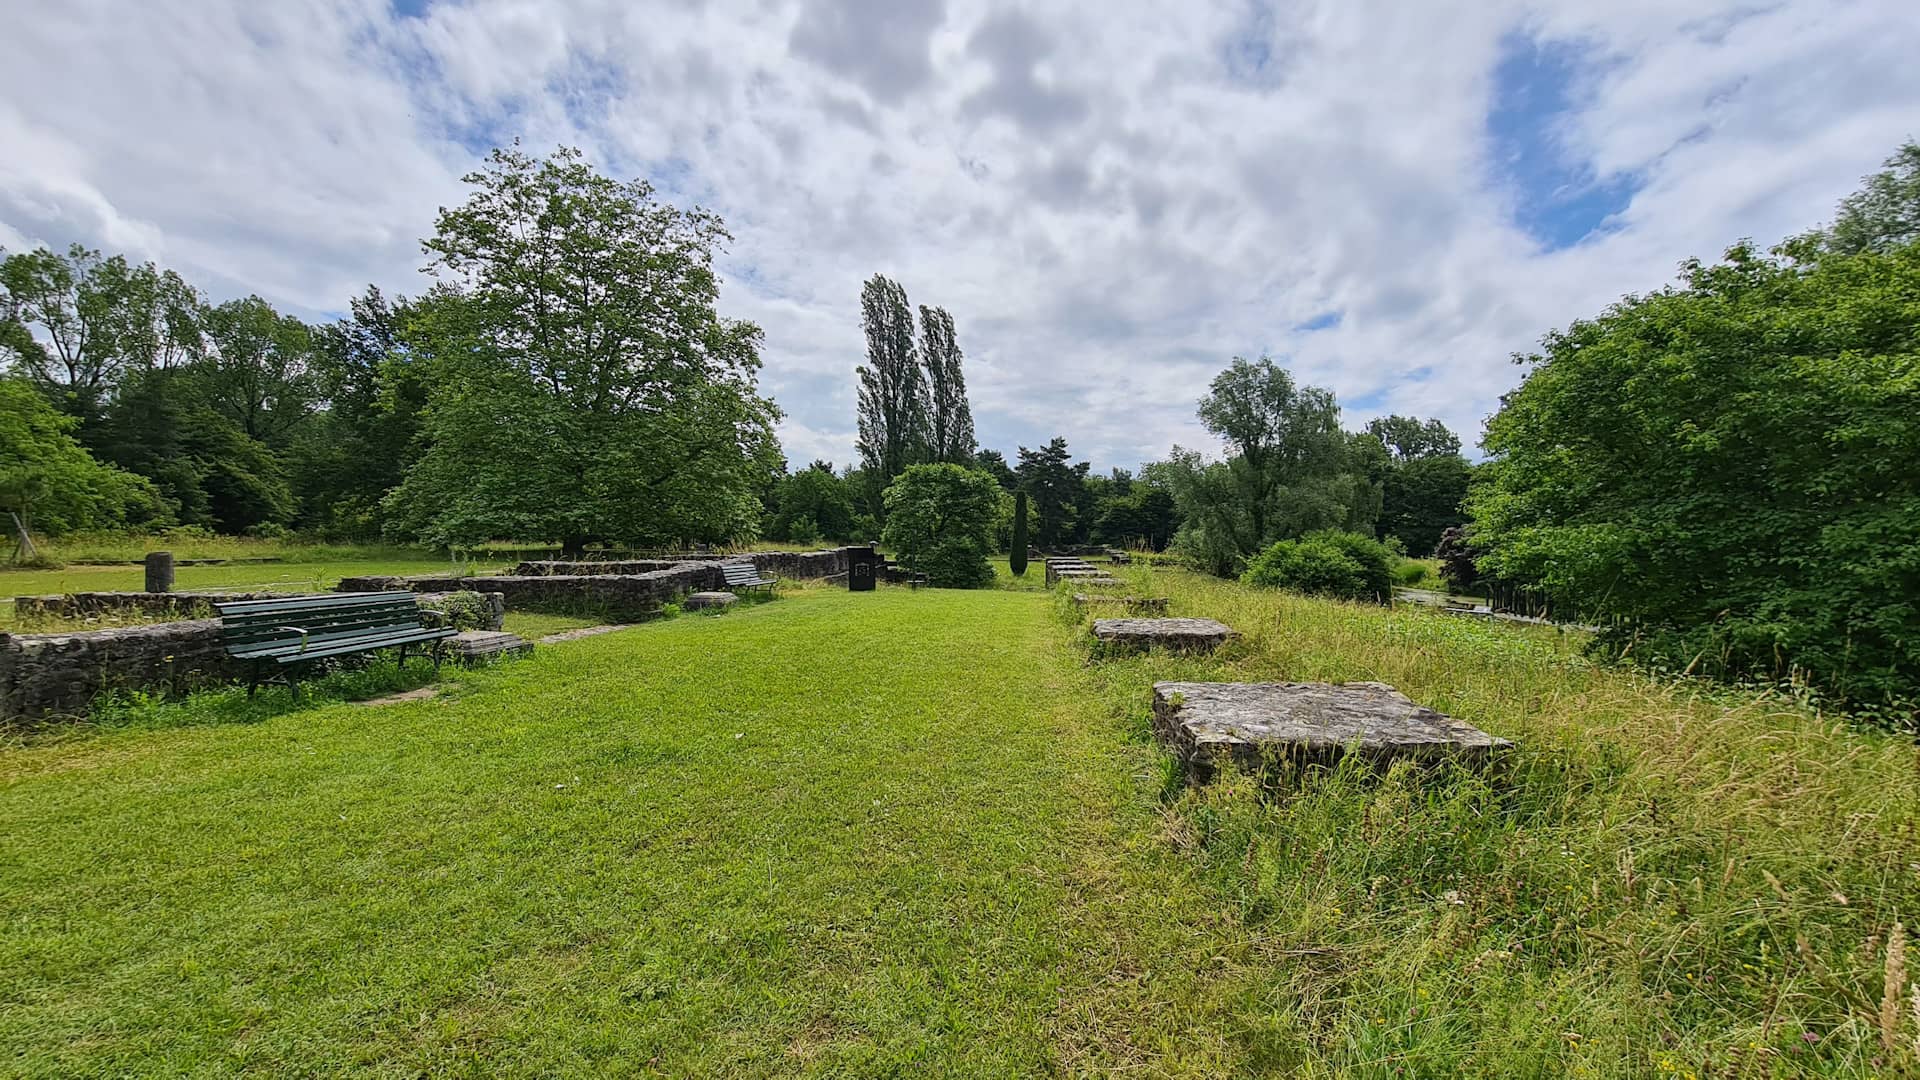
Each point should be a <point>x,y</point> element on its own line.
<point>1344,565</point>
<point>1712,472</point>
<point>940,523</point>
<point>1411,572</point>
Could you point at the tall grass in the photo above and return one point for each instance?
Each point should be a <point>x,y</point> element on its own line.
<point>1659,882</point>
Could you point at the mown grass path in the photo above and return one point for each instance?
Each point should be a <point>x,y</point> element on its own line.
<point>878,834</point>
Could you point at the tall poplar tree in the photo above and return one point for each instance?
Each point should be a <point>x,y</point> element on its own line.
<point>894,406</point>
<point>950,422</point>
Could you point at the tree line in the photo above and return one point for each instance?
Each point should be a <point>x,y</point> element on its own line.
<point>565,376</point>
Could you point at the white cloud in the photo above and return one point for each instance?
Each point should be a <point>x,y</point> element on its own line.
<point>1112,200</point>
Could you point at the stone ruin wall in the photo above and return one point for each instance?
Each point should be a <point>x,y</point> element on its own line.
<point>45,677</point>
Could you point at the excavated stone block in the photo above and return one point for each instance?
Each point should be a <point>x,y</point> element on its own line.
<point>1141,605</point>
<point>475,646</point>
<point>702,600</point>
<point>1182,635</point>
<point>1254,725</point>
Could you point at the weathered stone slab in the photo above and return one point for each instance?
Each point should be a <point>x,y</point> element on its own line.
<point>477,646</point>
<point>1252,725</point>
<point>702,600</point>
<point>1144,605</point>
<point>1186,635</point>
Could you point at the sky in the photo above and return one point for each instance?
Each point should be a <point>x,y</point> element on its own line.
<point>1112,199</point>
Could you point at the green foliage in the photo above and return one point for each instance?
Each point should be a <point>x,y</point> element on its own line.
<point>1056,485</point>
<point>462,610</point>
<point>1290,469</point>
<point>583,386</point>
<point>940,523</point>
<point>1722,471</point>
<point>1423,497</point>
<point>1412,572</point>
<point>1017,548</point>
<point>994,464</point>
<point>949,416</point>
<point>1885,213</point>
<point>1343,565</point>
<point>894,407</point>
<point>814,504</point>
<point>1409,438</point>
<point>50,480</point>
<point>98,320</point>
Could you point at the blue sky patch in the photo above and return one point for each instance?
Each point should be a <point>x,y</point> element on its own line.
<point>1326,320</point>
<point>1558,199</point>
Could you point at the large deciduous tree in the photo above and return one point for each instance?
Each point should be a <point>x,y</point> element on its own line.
<point>1424,487</point>
<point>49,480</point>
<point>77,324</point>
<point>940,521</point>
<point>1289,470</point>
<point>583,385</point>
<point>1724,472</point>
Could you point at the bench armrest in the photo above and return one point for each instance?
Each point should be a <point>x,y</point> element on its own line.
<point>298,630</point>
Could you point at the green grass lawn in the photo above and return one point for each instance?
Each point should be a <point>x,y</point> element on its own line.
<point>922,833</point>
<point>855,833</point>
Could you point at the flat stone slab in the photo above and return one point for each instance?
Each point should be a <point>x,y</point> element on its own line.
<point>1143,604</point>
<point>1253,725</point>
<point>424,693</point>
<point>702,600</point>
<point>473,646</point>
<point>1189,635</point>
<point>584,631</point>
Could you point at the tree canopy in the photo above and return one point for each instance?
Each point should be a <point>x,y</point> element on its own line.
<point>1723,470</point>
<point>583,386</point>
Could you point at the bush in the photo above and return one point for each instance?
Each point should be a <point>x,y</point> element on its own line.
<point>940,522</point>
<point>1711,472</point>
<point>1344,565</point>
<point>1411,572</point>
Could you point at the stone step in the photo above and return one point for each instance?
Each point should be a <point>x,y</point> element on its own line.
<point>474,646</point>
<point>701,601</point>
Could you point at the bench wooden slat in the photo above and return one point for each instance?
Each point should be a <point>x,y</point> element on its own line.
<point>291,653</point>
<point>303,618</point>
<point>314,602</point>
<point>294,629</point>
<point>745,575</point>
<point>287,641</point>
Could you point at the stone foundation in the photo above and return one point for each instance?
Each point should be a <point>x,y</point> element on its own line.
<point>50,676</point>
<point>1180,635</point>
<point>620,597</point>
<point>1255,725</point>
<point>87,605</point>
<point>1141,605</point>
<point>791,564</point>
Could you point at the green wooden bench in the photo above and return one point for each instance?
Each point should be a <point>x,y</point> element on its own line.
<point>274,637</point>
<point>745,575</point>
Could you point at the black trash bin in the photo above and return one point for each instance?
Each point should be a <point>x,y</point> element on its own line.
<point>863,568</point>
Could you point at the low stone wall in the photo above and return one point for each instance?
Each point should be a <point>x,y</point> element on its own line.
<point>794,564</point>
<point>618,596</point>
<point>90,604</point>
<point>45,677</point>
<point>49,676</point>
<point>429,584</point>
<point>549,568</point>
